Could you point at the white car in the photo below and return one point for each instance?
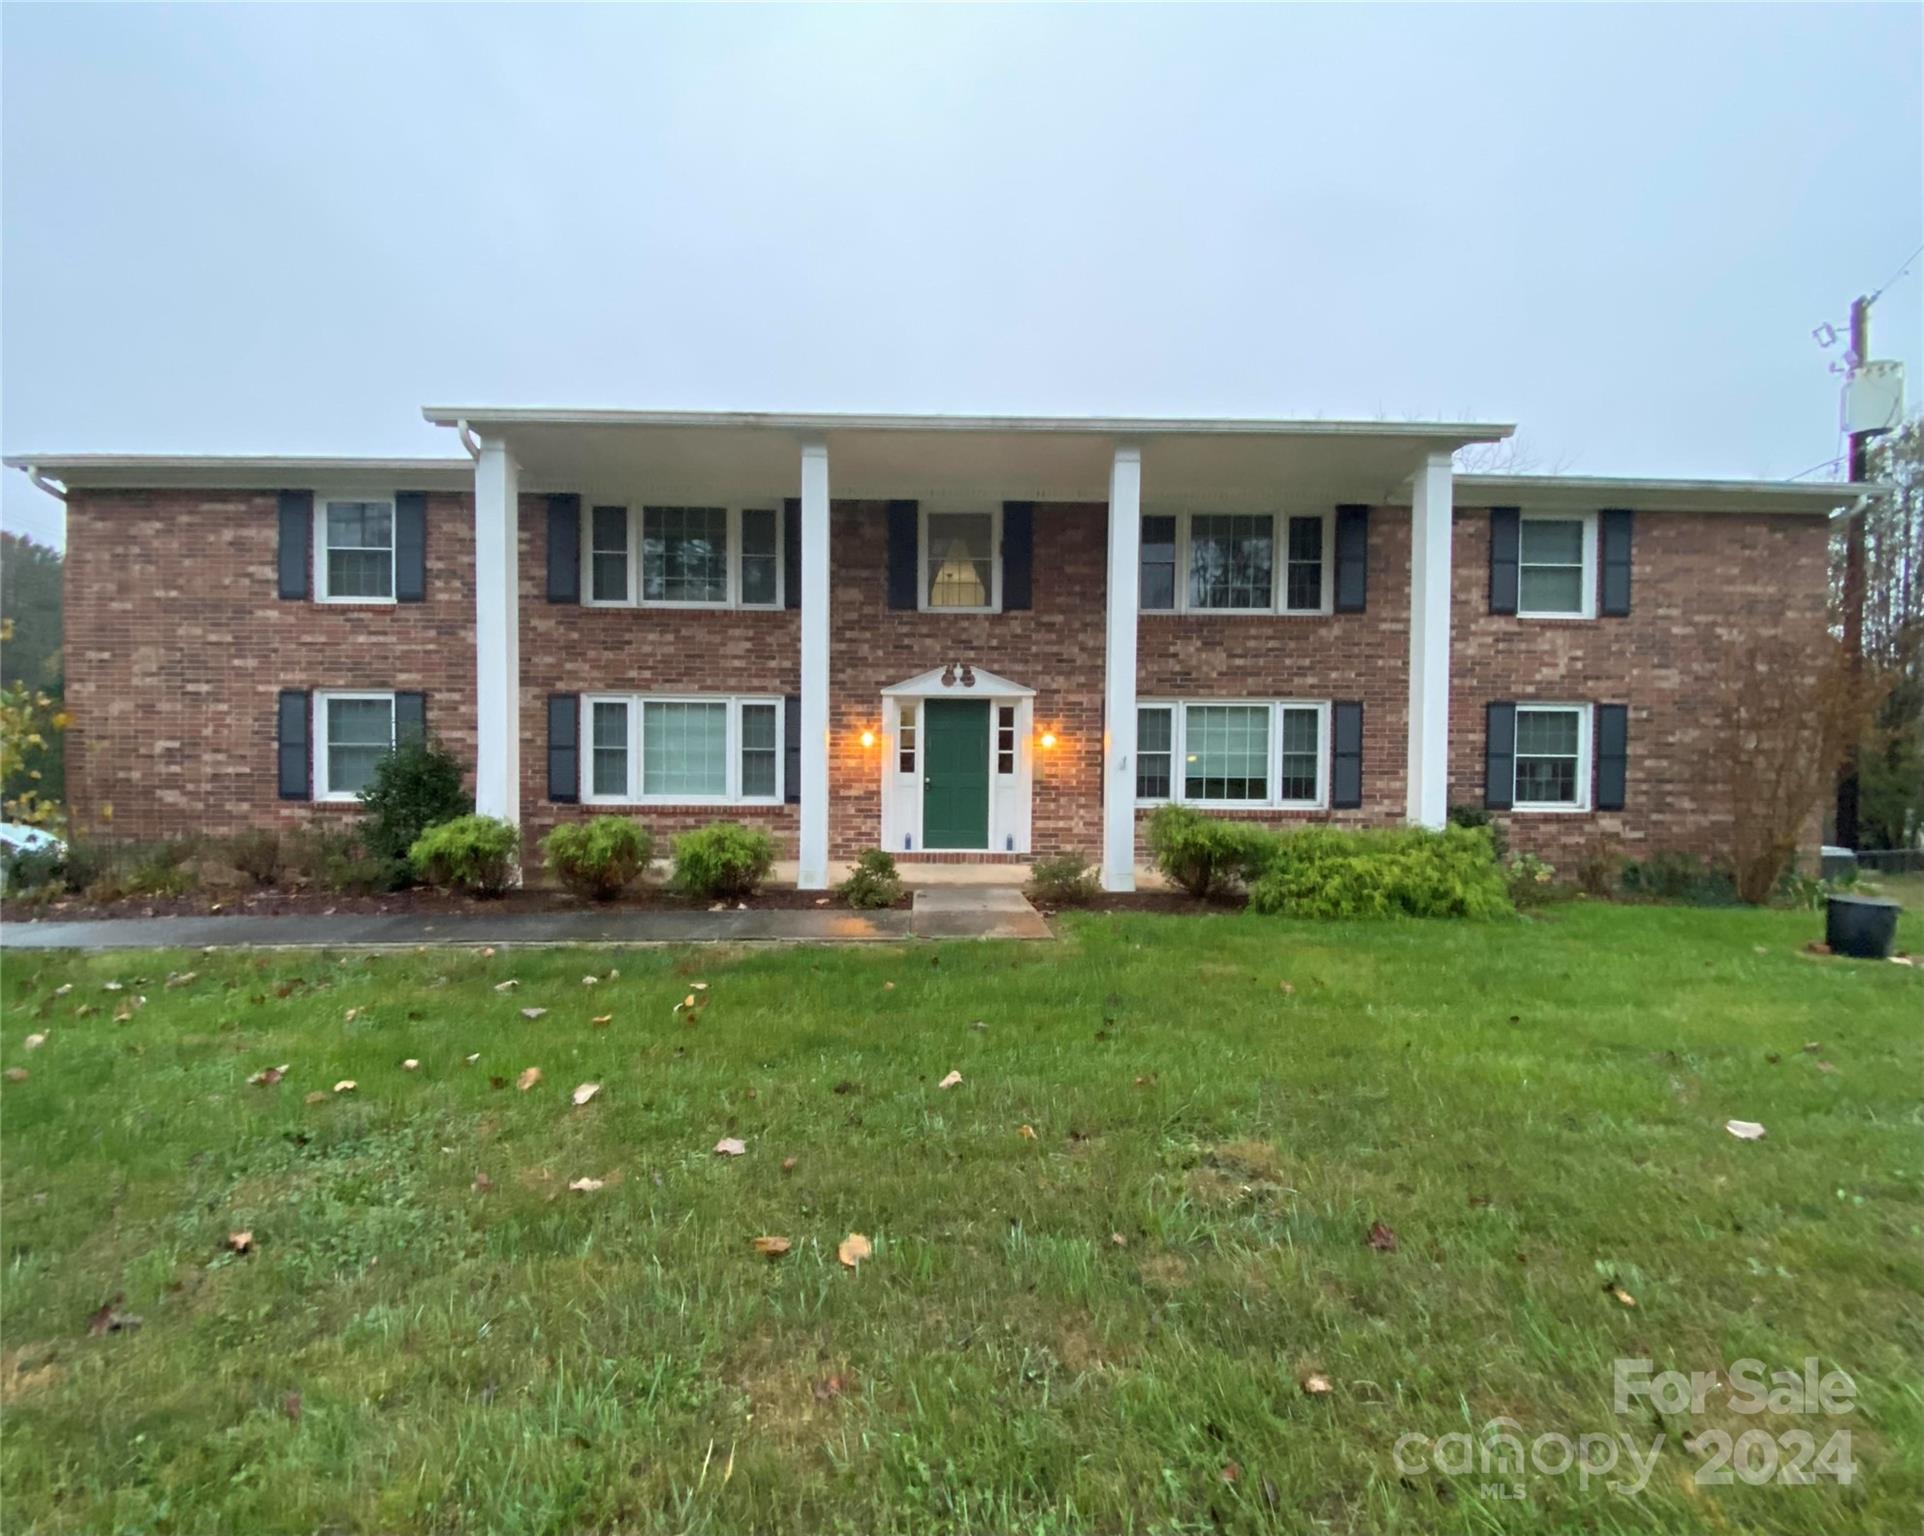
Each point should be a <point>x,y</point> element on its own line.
<point>16,837</point>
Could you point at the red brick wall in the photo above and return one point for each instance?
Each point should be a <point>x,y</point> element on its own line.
<point>1695,580</point>
<point>177,648</point>
<point>1363,656</point>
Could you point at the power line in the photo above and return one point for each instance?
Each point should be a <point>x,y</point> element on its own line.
<point>1897,274</point>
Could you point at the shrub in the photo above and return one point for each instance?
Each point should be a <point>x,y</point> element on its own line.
<point>161,869</point>
<point>1531,880</point>
<point>1066,880</point>
<point>1599,869</point>
<point>723,860</point>
<point>1680,877</point>
<point>35,870</point>
<point>1481,816</point>
<point>601,858</point>
<point>1204,854</point>
<point>416,786</point>
<point>476,854</point>
<point>256,853</point>
<point>874,882</point>
<point>1328,872</point>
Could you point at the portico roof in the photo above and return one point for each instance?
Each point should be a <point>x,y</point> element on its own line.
<point>1018,457</point>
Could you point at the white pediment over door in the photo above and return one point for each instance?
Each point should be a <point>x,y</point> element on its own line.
<point>929,685</point>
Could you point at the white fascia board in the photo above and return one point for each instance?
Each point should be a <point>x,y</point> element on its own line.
<point>1591,492</point>
<point>237,471</point>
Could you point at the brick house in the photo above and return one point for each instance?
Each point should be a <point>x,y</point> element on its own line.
<point>957,638</point>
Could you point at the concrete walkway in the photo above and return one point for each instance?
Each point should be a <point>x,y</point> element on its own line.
<point>958,913</point>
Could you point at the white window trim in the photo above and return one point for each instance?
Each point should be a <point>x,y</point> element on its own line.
<point>381,498</point>
<point>633,507</point>
<point>1588,607</point>
<point>923,513</point>
<point>323,787</point>
<point>1178,754</point>
<point>1584,763</point>
<point>1278,569</point>
<point>733,736</point>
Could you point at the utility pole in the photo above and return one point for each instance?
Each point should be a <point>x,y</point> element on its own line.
<point>1860,454</point>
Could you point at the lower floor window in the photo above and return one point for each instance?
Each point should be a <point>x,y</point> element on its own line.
<point>1551,744</point>
<point>356,732</point>
<point>691,750</point>
<point>1240,754</point>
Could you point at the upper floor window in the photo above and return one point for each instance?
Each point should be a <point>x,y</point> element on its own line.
<point>961,562</point>
<point>1233,754</point>
<point>356,554</point>
<point>1552,757</point>
<point>356,730</point>
<point>1216,562</point>
<point>1556,567</point>
<point>688,751</point>
<point>684,557</point>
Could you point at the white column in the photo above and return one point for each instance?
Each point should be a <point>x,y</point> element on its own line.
<point>813,874</point>
<point>497,633</point>
<point>1429,751</point>
<point>1119,674</point>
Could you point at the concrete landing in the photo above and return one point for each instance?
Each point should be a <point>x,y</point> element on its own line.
<point>976,912</point>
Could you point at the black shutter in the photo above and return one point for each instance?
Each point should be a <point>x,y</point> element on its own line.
<point>1346,755</point>
<point>1615,535</point>
<point>1018,555</point>
<point>1352,559</point>
<point>792,552</point>
<point>297,540</point>
<point>410,717</point>
<point>1613,754</point>
<point>903,537</point>
<point>1499,756</point>
<point>792,749</point>
<point>564,549</point>
<point>410,546</point>
<point>1506,533</point>
<point>293,745</point>
<point>564,748</point>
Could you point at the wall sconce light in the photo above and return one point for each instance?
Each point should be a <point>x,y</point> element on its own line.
<point>868,738</point>
<point>1048,741</point>
<point>948,675</point>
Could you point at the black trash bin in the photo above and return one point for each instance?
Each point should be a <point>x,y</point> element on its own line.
<point>1860,926</point>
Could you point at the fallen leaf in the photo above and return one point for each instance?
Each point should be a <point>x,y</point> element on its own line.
<point>586,1092</point>
<point>63,989</point>
<point>888,986</point>
<point>110,1319</point>
<point>1316,1384</point>
<point>291,1406</point>
<point>240,1242</point>
<point>85,1011</point>
<point>821,901</point>
<point>1231,1472</point>
<point>1026,1132</point>
<point>771,1247</point>
<point>1814,948</point>
<point>506,986</point>
<point>1621,1294</point>
<point>473,1058</point>
<point>488,953</point>
<point>602,1020</point>
<point>1147,1080</point>
<point>585,1186</point>
<point>124,1016</point>
<point>532,1013</point>
<point>528,1079</point>
<point>1813,1046</point>
<point>1903,960</point>
<point>978,1026</point>
<point>350,1016</point>
<point>1117,1240</point>
<point>412,1064</point>
<point>612,973</point>
<point>33,1042</point>
<point>1382,1238</point>
<point>182,979</point>
<point>699,986</point>
<point>482,1184</point>
<point>950,1081</point>
<point>591,981</point>
<point>1745,1130</point>
<point>346,1085</point>
<point>113,986</point>
<point>729,1146</point>
<point>1286,989</point>
<point>688,1001</point>
<point>17,1074</point>
<point>788,1164</point>
<point>853,1250</point>
<point>1825,1066</point>
<point>267,1077</point>
<point>827,1388</point>
<point>316,1097</point>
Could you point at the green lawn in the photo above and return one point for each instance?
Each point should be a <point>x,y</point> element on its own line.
<point>1535,1108</point>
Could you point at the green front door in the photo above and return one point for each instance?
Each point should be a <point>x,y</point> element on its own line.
<point>955,774</point>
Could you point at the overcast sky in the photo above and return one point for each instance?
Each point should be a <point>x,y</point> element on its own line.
<point>285,229</point>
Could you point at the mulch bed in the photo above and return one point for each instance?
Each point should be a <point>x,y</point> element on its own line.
<point>297,903</point>
<point>1175,902</point>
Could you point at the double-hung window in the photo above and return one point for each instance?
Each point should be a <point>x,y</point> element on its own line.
<point>961,562</point>
<point>353,732</point>
<point>683,556</point>
<point>1242,562</point>
<point>683,751</point>
<point>1552,757</point>
<point>1271,753</point>
<point>355,553</point>
<point>1556,567</point>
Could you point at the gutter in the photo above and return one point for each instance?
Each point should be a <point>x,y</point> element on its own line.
<point>41,482</point>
